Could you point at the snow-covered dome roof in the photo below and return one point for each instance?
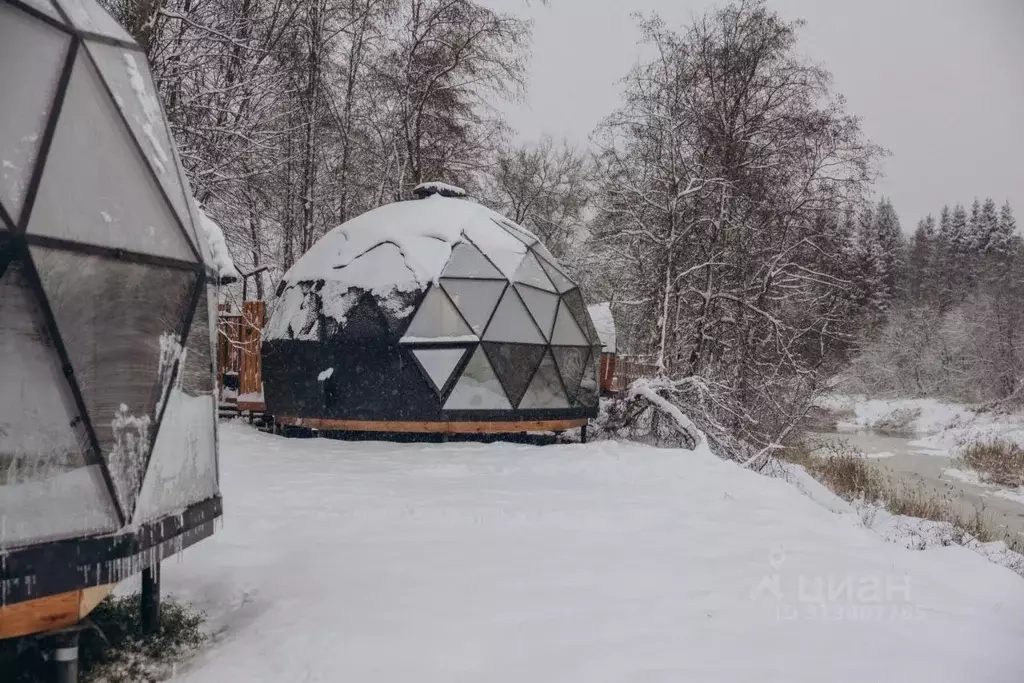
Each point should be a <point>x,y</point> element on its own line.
<point>474,300</point>
<point>405,246</point>
<point>397,251</point>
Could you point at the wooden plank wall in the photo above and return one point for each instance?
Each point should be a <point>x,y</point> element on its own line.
<point>251,366</point>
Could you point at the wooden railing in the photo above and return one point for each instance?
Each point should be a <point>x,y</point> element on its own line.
<point>628,369</point>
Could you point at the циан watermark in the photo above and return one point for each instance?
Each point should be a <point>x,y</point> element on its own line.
<point>836,597</point>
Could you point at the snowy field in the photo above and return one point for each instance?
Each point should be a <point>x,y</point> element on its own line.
<point>607,562</point>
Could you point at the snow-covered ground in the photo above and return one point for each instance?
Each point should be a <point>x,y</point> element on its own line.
<point>606,562</point>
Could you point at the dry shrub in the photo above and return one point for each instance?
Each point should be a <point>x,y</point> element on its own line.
<point>845,471</point>
<point>997,461</point>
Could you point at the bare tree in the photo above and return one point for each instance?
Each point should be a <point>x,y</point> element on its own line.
<point>717,172</point>
<point>544,187</point>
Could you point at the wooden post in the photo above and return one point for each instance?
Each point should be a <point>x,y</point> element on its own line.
<point>583,433</point>
<point>150,602</point>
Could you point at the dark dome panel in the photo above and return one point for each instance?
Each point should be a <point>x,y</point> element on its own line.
<point>48,488</point>
<point>118,319</point>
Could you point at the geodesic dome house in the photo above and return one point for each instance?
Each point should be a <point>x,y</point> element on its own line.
<point>430,315</point>
<point>108,444</point>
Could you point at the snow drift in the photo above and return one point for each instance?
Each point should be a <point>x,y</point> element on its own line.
<point>606,562</point>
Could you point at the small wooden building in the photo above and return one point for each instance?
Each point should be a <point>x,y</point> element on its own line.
<point>601,314</point>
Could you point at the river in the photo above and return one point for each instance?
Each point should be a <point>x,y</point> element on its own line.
<point>915,466</point>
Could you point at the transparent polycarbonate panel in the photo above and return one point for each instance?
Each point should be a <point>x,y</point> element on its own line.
<point>567,332</point>
<point>437,320</point>
<point>476,299</point>
<point>196,231</point>
<point>478,388</point>
<point>47,488</point>
<point>503,250</point>
<point>183,467</point>
<point>31,56</point>
<point>121,324</point>
<point>531,273</point>
<point>514,364</point>
<point>127,74</point>
<point>545,255</point>
<point>572,363</point>
<point>562,283</point>
<point>439,364</point>
<point>197,371</point>
<point>512,322</point>
<point>467,261</point>
<point>590,389</point>
<point>542,305</point>
<point>96,188</point>
<point>516,231</point>
<point>574,300</point>
<point>88,16</point>
<point>545,391</point>
<point>44,6</point>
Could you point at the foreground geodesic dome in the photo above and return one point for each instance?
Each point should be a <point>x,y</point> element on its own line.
<point>108,449</point>
<point>435,314</point>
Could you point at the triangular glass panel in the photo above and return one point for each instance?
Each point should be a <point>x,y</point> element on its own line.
<point>478,388</point>
<point>96,188</point>
<point>589,393</point>
<point>182,470</point>
<point>567,332</point>
<point>122,323</point>
<point>512,322</point>
<point>572,363</point>
<point>437,320</point>
<point>542,305</point>
<point>562,283</point>
<point>476,299</point>
<point>48,489</point>
<point>198,233</point>
<point>544,255</point>
<point>88,16</point>
<point>500,247</point>
<point>46,7</point>
<point>439,364</point>
<point>514,365</point>
<point>135,94</point>
<point>530,273</point>
<point>545,391</point>
<point>28,87</point>
<point>467,261</point>
<point>574,300</point>
<point>517,232</point>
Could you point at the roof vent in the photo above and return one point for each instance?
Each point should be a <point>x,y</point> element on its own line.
<point>443,189</point>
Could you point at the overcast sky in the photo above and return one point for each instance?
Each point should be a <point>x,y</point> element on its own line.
<point>940,83</point>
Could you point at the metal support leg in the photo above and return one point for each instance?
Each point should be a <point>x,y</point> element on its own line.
<point>65,656</point>
<point>583,434</point>
<point>151,599</point>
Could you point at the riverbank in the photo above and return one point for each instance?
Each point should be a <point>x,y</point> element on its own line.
<point>908,454</point>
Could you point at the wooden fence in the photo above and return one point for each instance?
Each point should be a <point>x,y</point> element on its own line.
<point>239,365</point>
<point>627,369</point>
